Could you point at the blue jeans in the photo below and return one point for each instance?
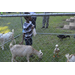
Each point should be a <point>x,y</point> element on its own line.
<point>45,21</point>
<point>28,41</point>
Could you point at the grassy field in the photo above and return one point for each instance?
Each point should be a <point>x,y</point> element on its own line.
<point>44,42</point>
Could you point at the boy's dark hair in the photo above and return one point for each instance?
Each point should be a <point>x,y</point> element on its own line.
<point>26,13</point>
<point>26,16</point>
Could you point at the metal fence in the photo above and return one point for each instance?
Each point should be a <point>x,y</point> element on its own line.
<point>46,38</point>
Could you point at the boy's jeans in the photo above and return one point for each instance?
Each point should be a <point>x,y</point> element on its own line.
<point>28,41</point>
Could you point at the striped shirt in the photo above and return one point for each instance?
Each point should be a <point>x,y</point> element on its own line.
<point>27,29</point>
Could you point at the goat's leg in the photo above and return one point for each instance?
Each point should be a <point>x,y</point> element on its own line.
<point>13,58</point>
<point>2,46</point>
<point>27,58</point>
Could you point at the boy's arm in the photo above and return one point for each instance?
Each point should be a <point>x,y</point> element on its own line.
<point>32,27</point>
<point>22,38</point>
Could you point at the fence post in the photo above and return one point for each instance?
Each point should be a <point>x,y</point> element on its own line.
<point>21,21</point>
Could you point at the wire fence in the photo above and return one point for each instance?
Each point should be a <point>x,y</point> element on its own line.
<point>46,38</point>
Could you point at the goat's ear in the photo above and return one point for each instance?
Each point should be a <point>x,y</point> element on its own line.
<point>39,50</point>
<point>10,45</point>
<point>42,53</point>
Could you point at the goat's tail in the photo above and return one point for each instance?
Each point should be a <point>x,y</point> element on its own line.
<point>12,30</point>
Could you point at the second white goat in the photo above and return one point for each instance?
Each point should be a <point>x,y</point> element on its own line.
<point>6,37</point>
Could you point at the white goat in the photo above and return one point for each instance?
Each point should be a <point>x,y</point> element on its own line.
<point>6,37</point>
<point>70,58</point>
<point>23,50</point>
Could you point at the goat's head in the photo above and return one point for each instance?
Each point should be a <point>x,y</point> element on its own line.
<point>40,54</point>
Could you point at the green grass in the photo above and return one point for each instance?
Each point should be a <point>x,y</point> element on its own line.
<point>44,42</point>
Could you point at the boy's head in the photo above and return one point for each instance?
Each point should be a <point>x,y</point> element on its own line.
<point>27,18</point>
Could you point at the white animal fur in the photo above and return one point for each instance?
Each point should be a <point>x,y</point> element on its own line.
<point>34,32</point>
<point>56,50</point>
<point>1,34</point>
<point>70,58</point>
<point>23,50</point>
<point>6,37</point>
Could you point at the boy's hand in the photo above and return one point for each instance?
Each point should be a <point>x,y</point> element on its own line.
<point>33,27</point>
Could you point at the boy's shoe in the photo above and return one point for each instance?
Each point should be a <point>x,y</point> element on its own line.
<point>46,27</point>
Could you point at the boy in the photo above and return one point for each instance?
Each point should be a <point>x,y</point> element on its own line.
<point>45,21</point>
<point>27,30</point>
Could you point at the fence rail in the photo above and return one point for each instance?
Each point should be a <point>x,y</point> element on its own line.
<point>40,14</point>
<point>55,34</point>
